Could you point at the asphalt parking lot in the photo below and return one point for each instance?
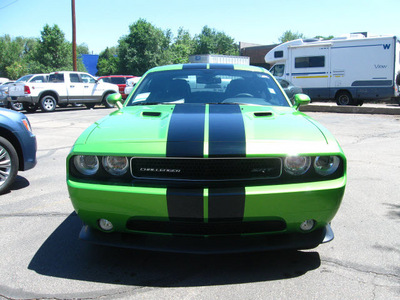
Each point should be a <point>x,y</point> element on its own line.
<point>42,258</point>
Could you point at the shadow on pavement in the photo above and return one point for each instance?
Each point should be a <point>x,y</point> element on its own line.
<point>19,183</point>
<point>63,255</point>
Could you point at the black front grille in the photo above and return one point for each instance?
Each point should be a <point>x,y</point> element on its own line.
<point>210,228</point>
<point>206,169</point>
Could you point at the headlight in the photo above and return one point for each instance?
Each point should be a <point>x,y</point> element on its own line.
<point>86,164</point>
<point>115,165</point>
<point>326,165</point>
<point>297,165</point>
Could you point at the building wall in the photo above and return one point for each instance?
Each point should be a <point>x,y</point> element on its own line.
<point>90,62</point>
<point>256,53</point>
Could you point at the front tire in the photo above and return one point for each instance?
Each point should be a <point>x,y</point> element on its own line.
<point>48,103</point>
<point>9,165</point>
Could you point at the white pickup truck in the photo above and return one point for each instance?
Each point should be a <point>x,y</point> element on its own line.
<point>63,88</point>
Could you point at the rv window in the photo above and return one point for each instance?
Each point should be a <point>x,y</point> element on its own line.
<point>310,62</point>
<point>278,54</point>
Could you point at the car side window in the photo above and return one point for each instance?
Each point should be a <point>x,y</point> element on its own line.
<point>73,77</point>
<point>56,78</point>
<point>87,79</point>
<point>38,79</point>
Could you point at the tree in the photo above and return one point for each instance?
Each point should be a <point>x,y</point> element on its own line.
<point>17,69</point>
<point>82,49</point>
<point>13,54</point>
<point>324,37</point>
<point>182,47</point>
<point>144,47</point>
<point>108,62</point>
<point>288,35</point>
<point>210,41</point>
<point>52,52</point>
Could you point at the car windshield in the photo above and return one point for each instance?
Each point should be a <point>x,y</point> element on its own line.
<point>224,86</point>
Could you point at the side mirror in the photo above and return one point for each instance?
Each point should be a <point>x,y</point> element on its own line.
<point>115,99</point>
<point>301,99</point>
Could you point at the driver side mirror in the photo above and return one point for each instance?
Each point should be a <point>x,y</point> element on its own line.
<point>115,99</point>
<point>301,99</point>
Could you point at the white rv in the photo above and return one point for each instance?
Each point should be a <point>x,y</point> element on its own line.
<point>349,69</point>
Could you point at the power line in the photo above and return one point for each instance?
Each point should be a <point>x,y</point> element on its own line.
<point>9,4</point>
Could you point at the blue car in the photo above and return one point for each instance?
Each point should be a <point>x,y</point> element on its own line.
<point>17,146</point>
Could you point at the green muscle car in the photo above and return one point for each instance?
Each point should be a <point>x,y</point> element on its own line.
<point>207,158</point>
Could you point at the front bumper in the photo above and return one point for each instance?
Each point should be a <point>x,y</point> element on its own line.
<point>290,204</point>
<point>208,245</point>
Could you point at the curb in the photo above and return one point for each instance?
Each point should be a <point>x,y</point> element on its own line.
<point>382,109</point>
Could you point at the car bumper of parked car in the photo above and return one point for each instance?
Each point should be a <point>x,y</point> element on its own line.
<point>139,214</point>
<point>21,99</point>
<point>29,152</point>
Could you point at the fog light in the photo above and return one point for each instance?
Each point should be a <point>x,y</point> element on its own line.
<point>105,225</point>
<point>307,225</point>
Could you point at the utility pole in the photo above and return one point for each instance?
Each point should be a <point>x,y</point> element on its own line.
<point>73,36</point>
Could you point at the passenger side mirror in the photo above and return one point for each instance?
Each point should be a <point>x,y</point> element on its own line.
<point>301,99</point>
<point>115,99</point>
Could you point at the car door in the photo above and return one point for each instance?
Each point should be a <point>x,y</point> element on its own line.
<point>90,88</point>
<point>75,88</point>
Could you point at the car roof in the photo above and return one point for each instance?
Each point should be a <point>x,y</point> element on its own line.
<point>209,66</point>
<point>106,76</point>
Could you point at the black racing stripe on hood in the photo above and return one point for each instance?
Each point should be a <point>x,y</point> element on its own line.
<point>226,131</point>
<point>226,204</point>
<point>186,131</point>
<point>185,204</point>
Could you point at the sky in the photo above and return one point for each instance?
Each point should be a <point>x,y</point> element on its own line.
<point>101,23</point>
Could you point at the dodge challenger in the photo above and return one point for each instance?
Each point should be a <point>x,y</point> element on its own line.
<point>207,158</point>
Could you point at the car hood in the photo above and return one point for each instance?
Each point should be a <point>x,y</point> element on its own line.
<point>206,131</point>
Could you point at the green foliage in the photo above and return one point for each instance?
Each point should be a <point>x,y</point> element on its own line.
<point>82,49</point>
<point>288,35</point>
<point>17,70</point>
<point>52,53</point>
<point>182,47</point>
<point>324,37</point>
<point>107,63</point>
<point>210,41</point>
<point>13,53</point>
<point>144,47</point>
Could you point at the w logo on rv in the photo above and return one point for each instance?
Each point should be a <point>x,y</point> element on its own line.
<point>386,46</point>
